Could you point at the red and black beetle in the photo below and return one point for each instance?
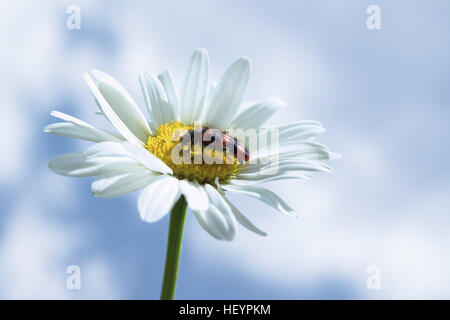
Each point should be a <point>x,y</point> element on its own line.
<point>210,135</point>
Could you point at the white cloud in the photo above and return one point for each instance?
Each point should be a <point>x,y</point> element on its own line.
<point>347,220</point>
<point>339,234</point>
<point>14,139</point>
<point>37,248</point>
<point>32,252</point>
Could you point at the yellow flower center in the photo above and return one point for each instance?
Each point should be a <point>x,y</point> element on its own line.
<point>170,135</point>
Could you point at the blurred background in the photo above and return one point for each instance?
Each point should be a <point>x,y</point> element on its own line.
<point>382,95</point>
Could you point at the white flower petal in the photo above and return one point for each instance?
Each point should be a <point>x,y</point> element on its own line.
<point>262,194</point>
<point>158,198</point>
<point>257,114</point>
<point>243,219</point>
<point>123,105</point>
<point>291,156</point>
<point>159,109</point>
<point>258,177</point>
<point>78,129</point>
<point>110,186</point>
<point>218,220</point>
<point>300,131</point>
<point>107,149</point>
<point>214,223</point>
<point>211,86</point>
<point>285,165</point>
<point>168,84</point>
<point>114,166</point>
<point>127,150</point>
<point>311,154</point>
<point>299,155</point>
<point>289,149</point>
<point>114,116</point>
<point>74,165</point>
<point>195,195</point>
<point>302,164</point>
<point>228,95</point>
<point>67,129</point>
<point>195,87</point>
<point>148,159</point>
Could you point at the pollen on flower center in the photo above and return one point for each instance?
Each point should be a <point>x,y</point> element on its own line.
<point>170,135</point>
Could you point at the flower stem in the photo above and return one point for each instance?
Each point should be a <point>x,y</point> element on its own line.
<point>176,227</point>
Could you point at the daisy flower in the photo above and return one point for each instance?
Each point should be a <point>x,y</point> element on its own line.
<point>139,155</point>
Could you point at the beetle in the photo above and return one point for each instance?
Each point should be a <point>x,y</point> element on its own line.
<point>210,135</point>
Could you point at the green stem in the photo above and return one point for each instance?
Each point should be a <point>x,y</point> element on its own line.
<point>176,226</point>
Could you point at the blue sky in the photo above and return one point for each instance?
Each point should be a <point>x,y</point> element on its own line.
<point>381,94</point>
